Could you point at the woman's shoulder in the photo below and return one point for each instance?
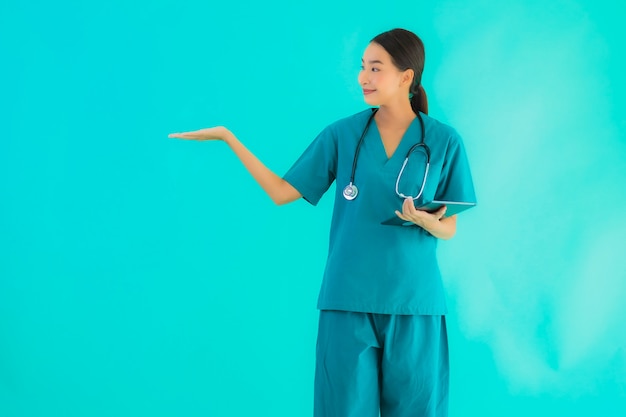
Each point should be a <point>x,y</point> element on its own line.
<point>439,129</point>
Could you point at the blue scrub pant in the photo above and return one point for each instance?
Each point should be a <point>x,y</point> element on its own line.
<point>369,363</point>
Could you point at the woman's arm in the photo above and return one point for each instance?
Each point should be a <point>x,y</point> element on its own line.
<point>279,190</point>
<point>434,223</point>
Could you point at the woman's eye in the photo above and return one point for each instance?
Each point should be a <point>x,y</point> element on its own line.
<point>375,69</point>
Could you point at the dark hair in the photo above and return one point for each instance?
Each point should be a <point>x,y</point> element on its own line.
<point>407,52</point>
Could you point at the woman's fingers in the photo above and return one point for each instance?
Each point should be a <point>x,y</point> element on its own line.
<point>187,135</point>
<point>402,216</point>
<point>407,214</point>
<point>408,207</point>
<point>212,133</point>
<point>419,217</point>
<point>440,212</point>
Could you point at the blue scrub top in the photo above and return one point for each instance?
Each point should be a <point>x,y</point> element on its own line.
<point>371,267</point>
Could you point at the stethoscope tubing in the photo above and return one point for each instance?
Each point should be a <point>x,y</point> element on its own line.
<point>358,146</point>
<point>350,191</point>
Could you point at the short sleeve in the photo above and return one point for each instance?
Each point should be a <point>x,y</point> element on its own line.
<point>455,182</point>
<point>316,169</point>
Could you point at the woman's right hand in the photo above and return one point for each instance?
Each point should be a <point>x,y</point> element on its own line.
<point>211,133</point>
<point>279,190</point>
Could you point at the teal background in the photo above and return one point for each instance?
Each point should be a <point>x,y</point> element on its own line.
<point>147,276</point>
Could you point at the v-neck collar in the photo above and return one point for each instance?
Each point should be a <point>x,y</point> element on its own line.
<point>403,141</point>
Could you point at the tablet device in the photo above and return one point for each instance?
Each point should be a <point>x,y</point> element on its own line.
<point>453,207</point>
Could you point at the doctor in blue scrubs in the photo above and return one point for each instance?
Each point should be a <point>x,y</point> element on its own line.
<point>382,343</point>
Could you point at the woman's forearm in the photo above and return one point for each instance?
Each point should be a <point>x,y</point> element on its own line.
<point>444,228</point>
<point>279,190</point>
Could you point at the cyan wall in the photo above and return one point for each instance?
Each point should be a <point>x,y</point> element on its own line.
<point>146,276</point>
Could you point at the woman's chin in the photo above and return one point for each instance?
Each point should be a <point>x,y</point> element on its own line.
<point>370,101</point>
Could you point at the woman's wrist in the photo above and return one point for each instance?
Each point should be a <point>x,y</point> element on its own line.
<point>227,136</point>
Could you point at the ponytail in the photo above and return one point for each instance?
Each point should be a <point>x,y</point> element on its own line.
<point>419,101</point>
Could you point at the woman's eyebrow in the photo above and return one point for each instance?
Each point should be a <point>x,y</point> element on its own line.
<point>374,61</point>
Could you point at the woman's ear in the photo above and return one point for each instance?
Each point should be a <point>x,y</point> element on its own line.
<point>407,77</point>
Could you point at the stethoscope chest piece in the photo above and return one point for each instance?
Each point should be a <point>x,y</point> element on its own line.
<point>350,192</point>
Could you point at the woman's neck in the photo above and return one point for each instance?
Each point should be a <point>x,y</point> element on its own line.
<point>398,114</point>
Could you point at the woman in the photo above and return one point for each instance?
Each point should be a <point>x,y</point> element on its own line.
<point>382,342</point>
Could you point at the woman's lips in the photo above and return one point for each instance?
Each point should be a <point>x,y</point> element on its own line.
<point>366,92</point>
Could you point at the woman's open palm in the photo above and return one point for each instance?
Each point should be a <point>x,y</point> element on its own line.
<point>211,133</point>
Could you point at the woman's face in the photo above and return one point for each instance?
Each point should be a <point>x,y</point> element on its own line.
<point>381,80</point>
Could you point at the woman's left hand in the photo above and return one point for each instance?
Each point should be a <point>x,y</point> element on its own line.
<point>421,218</point>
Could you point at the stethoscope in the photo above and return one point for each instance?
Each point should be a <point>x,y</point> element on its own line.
<point>351,191</point>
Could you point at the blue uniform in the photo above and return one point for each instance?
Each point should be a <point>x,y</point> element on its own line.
<point>374,269</point>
